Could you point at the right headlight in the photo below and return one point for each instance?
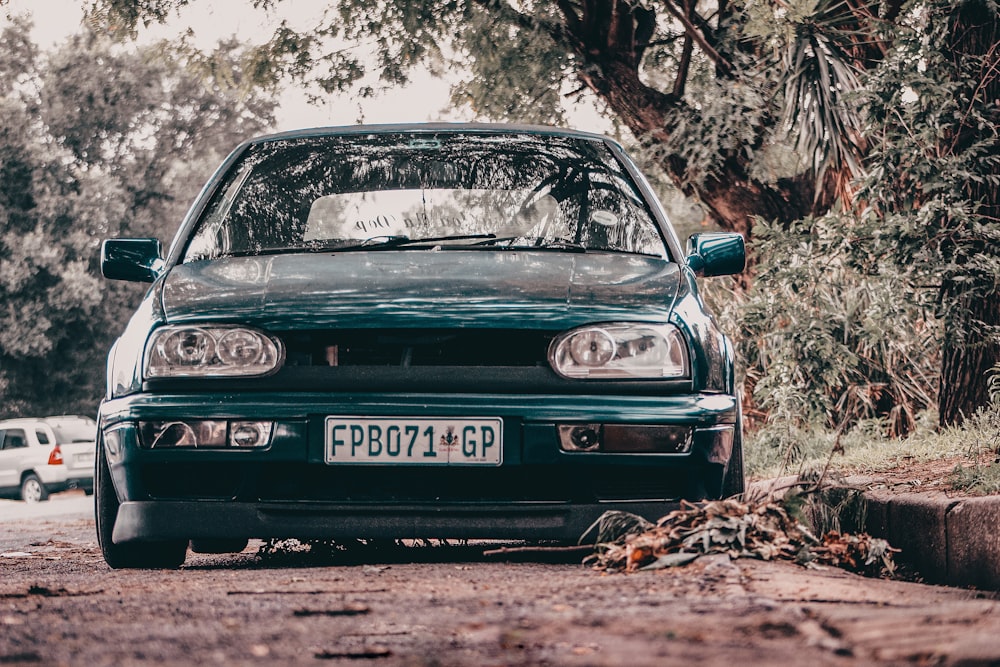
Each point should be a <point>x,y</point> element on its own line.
<point>623,350</point>
<point>194,351</point>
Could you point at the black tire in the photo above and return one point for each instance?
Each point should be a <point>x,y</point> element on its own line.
<point>168,554</point>
<point>32,489</point>
<point>734,483</point>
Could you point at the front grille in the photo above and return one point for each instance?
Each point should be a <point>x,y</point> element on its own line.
<point>418,347</point>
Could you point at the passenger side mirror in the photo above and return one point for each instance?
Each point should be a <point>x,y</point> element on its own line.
<point>716,253</point>
<point>136,260</point>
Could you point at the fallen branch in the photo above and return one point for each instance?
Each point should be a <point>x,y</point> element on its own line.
<point>572,549</point>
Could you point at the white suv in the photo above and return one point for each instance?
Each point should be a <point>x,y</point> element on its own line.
<point>46,455</point>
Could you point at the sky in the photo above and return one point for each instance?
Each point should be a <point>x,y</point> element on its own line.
<point>212,20</point>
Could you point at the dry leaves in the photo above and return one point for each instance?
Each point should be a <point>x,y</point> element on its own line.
<point>762,530</point>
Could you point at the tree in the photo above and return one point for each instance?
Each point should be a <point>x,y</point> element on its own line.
<point>932,196</point>
<point>695,83</point>
<point>97,141</point>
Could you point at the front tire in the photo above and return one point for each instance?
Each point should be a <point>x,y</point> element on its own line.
<point>32,489</point>
<point>734,483</point>
<point>168,554</point>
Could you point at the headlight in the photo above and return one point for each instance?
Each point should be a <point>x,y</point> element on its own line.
<point>620,351</point>
<point>190,351</point>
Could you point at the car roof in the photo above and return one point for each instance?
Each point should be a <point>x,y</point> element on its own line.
<point>431,128</point>
<point>28,421</point>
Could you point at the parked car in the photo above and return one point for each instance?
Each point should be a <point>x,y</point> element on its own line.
<point>43,456</point>
<point>440,331</point>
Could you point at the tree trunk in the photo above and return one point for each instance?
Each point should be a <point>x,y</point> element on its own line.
<point>609,37</point>
<point>970,352</point>
<point>972,321</point>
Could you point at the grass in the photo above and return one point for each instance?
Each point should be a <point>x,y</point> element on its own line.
<point>783,448</point>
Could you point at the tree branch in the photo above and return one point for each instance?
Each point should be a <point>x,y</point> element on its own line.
<point>685,62</point>
<point>720,61</point>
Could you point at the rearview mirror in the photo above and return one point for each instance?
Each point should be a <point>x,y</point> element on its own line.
<point>716,253</point>
<point>137,260</point>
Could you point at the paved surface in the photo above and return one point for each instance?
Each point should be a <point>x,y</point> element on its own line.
<point>71,504</point>
<point>948,540</point>
<point>433,606</point>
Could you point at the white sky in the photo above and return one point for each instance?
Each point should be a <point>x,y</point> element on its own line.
<point>211,20</point>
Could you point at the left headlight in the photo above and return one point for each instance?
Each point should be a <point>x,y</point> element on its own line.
<point>620,351</point>
<point>193,351</point>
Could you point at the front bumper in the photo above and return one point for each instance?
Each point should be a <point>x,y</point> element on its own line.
<point>286,490</point>
<point>161,520</point>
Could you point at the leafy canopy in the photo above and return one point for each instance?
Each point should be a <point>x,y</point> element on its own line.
<point>98,141</point>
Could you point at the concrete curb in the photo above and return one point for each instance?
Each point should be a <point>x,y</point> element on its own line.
<point>952,541</point>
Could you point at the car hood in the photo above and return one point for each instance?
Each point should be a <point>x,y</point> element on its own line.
<point>422,289</point>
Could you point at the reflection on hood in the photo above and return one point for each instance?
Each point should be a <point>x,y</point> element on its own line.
<point>491,289</point>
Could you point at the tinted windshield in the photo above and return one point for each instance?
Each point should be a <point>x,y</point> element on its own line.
<point>478,190</point>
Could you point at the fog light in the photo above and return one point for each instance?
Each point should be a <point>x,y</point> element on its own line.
<point>249,434</point>
<point>580,437</point>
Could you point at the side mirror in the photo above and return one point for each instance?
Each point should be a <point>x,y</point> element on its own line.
<point>137,260</point>
<point>716,253</point>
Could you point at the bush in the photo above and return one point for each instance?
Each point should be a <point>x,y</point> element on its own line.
<point>826,344</point>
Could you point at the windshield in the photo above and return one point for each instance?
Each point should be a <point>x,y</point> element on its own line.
<point>420,190</point>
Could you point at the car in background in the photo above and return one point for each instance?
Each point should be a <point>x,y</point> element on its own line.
<point>46,455</point>
<point>414,331</point>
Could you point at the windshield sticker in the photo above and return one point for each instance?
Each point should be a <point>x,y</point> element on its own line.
<point>606,218</point>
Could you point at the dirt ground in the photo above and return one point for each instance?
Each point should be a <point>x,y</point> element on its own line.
<point>449,605</point>
<point>921,476</point>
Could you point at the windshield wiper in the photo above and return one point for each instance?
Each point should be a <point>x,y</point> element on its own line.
<point>388,242</point>
<point>542,243</point>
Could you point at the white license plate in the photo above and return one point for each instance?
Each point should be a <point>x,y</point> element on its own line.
<point>414,441</point>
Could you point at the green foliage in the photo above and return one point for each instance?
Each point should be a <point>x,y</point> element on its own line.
<point>932,194</point>
<point>723,118</point>
<point>782,448</point>
<point>515,75</point>
<point>824,342</point>
<point>980,436</point>
<point>98,141</point>
<point>820,78</point>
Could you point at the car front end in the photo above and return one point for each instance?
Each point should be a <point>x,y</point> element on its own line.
<point>488,382</point>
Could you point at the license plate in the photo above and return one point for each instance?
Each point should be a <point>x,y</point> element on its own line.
<point>414,441</point>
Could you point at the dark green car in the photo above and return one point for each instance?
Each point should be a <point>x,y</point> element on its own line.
<point>420,331</point>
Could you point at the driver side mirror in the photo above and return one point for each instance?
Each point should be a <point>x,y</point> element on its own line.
<point>716,253</point>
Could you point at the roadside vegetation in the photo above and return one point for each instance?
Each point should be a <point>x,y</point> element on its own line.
<point>785,446</point>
